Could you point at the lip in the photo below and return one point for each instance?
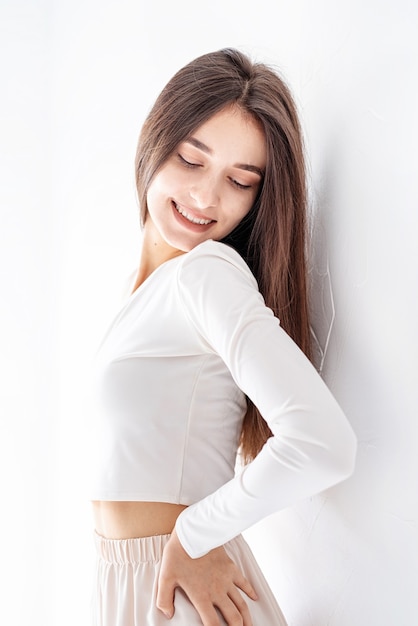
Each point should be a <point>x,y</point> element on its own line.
<point>190,212</point>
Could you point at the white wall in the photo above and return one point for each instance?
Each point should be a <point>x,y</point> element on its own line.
<point>28,314</point>
<point>79,77</point>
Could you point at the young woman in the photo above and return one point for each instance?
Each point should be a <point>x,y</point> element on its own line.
<point>197,365</point>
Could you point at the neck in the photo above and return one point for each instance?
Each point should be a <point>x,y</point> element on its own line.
<point>155,251</point>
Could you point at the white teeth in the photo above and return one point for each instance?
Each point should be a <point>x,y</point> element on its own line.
<point>194,220</point>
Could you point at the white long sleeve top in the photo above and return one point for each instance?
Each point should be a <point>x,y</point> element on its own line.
<point>172,374</point>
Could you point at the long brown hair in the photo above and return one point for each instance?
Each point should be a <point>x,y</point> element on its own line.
<point>272,238</point>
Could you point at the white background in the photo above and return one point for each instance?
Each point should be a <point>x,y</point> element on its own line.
<point>77,79</point>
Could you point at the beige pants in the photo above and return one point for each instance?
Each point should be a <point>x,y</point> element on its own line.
<point>127,575</point>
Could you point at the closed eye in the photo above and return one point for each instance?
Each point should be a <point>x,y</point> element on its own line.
<point>239,185</point>
<point>186,163</point>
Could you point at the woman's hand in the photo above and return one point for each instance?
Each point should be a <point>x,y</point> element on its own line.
<point>210,581</point>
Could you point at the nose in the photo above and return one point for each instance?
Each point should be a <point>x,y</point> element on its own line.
<point>204,192</point>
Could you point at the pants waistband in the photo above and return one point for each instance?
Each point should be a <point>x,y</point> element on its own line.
<point>138,550</point>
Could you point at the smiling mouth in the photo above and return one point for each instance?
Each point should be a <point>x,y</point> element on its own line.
<point>190,218</point>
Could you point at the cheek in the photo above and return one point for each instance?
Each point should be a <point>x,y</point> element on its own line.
<point>241,208</point>
<point>152,200</point>
<point>158,192</point>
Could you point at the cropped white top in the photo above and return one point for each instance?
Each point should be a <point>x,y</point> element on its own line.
<point>172,374</point>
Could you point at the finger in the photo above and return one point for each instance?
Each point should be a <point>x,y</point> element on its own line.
<point>242,606</point>
<point>207,613</point>
<point>165,597</point>
<point>232,615</point>
<point>245,586</point>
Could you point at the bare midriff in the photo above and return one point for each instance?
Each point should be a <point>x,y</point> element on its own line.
<point>127,520</point>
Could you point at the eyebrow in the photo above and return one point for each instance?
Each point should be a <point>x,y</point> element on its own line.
<point>242,166</point>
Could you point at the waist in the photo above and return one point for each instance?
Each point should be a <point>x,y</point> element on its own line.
<point>128,520</point>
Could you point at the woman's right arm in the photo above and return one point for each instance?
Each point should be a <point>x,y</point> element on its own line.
<point>313,446</point>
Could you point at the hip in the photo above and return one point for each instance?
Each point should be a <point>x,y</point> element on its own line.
<point>127,577</point>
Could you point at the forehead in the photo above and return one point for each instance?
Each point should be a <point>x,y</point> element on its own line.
<point>235,135</point>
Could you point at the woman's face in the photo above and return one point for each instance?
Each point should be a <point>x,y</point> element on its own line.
<point>210,182</point>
